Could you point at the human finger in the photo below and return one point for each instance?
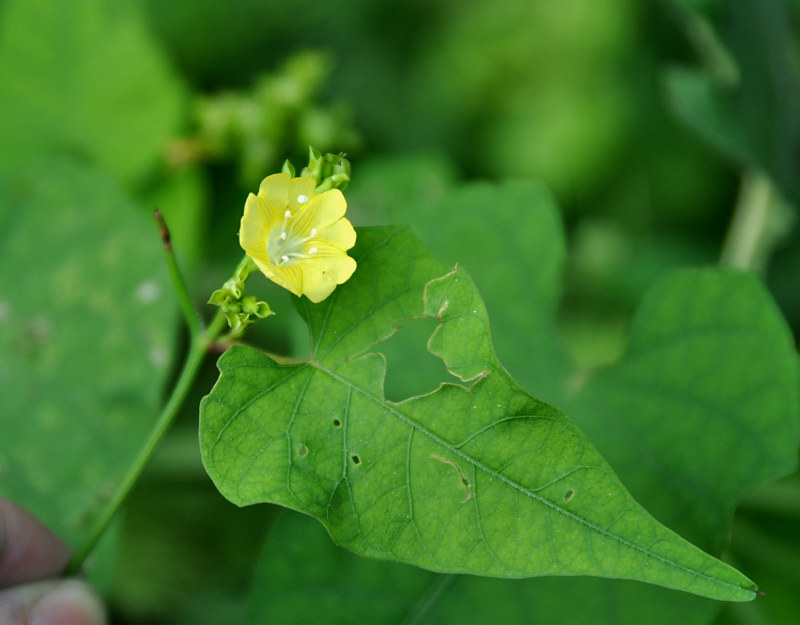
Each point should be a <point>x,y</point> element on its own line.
<point>54,602</point>
<point>28,550</point>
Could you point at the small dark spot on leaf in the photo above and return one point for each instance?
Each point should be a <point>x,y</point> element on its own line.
<point>356,460</point>
<point>302,451</point>
<point>337,423</point>
<point>569,495</point>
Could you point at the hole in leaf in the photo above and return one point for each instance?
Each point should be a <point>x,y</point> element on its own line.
<point>302,451</point>
<point>337,423</point>
<point>411,369</point>
<point>569,495</point>
<point>356,460</point>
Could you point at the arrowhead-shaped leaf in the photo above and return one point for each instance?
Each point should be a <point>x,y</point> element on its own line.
<point>753,397</point>
<point>475,478</point>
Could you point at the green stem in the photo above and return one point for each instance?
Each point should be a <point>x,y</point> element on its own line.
<point>200,340</point>
<point>193,322</point>
<point>428,602</point>
<point>748,237</point>
<point>193,361</point>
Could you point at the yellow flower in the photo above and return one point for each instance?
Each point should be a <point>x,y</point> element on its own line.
<point>298,238</point>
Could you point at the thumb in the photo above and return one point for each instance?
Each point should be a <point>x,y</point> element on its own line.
<point>61,602</point>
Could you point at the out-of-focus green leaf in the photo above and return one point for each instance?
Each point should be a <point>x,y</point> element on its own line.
<point>83,77</point>
<point>755,123</point>
<point>185,554</point>
<point>764,539</point>
<point>299,558</point>
<point>385,188</point>
<point>86,336</point>
<point>480,479</point>
<point>710,373</point>
<point>498,93</point>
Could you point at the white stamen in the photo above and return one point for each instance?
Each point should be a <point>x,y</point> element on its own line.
<point>313,233</point>
<point>283,236</point>
<point>302,199</point>
<point>287,214</point>
<point>284,259</point>
<point>313,250</point>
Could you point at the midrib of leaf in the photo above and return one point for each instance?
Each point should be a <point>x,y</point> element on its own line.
<point>455,449</point>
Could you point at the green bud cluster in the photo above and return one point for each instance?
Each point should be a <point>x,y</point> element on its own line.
<point>330,171</point>
<point>241,311</point>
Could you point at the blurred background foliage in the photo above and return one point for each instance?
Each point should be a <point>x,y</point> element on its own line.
<point>646,122</point>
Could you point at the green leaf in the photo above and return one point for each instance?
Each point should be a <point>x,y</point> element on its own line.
<point>84,77</point>
<point>709,373</point>
<point>86,333</point>
<point>478,478</point>
<point>710,362</point>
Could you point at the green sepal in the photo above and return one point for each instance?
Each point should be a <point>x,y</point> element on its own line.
<point>252,306</point>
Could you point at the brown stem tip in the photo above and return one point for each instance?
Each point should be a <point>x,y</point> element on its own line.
<point>163,230</point>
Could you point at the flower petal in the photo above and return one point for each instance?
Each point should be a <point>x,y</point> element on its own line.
<point>340,233</point>
<point>290,278</point>
<point>301,190</point>
<point>311,252</point>
<point>274,190</point>
<point>327,207</point>
<point>318,285</point>
<point>337,265</point>
<point>252,228</point>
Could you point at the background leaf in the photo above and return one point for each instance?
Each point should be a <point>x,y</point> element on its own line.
<point>84,78</point>
<point>709,362</point>
<point>484,479</point>
<point>86,336</point>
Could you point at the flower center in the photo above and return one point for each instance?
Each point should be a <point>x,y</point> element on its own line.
<point>285,247</point>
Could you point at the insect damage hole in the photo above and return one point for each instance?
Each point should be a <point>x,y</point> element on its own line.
<point>337,423</point>
<point>356,460</point>
<point>302,451</point>
<point>569,495</point>
<point>464,481</point>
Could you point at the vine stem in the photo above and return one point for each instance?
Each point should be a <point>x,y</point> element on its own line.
<point>749,236</point>
<point>201,339</point>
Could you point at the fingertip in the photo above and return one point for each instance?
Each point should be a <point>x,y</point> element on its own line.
<point>58,602</point>
<point>28,550</point>
<point>72,602</point>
